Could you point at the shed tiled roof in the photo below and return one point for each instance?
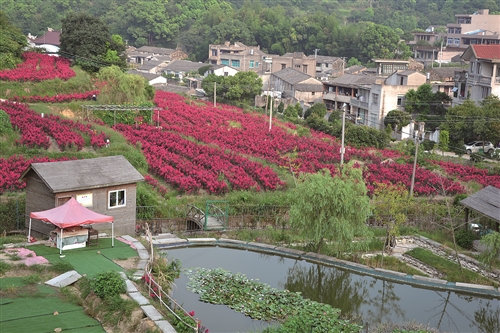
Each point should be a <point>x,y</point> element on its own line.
<point>485,201</point>
<point>86,173</point>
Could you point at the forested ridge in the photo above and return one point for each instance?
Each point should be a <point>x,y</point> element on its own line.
<point>278,26</point>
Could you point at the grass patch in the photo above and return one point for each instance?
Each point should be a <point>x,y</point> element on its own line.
<point>390,263</point>
<point>451,270</point>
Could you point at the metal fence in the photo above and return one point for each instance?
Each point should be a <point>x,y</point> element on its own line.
<point>156,291</point>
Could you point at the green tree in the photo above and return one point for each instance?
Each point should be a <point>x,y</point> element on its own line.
<point>397,119</point>
<point>320,210</point>
<point>292,112</point>
<point>242,87</point>
<point>444,140</point>
<point>117,87</point>
<point>427,106</point>
<point>390,204</point>
<point>318,109</point>
<point>86,39</point>
<point>492,253</point>
<point>380,41</point>
<point>12,43</point>
<point>5,124</point>
<point>353,62</point>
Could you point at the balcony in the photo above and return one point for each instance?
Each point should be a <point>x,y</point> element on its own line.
<point>475,79</point>
<point>359,104</point>
<point>331,96</point>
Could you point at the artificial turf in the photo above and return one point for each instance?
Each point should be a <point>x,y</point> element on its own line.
<point>89,260</point>
<point>38,315</point>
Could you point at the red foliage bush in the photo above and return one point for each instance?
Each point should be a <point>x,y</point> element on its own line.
<point>39,67</point>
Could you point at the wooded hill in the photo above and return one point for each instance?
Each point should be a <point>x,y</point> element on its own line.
<point>278,26</point>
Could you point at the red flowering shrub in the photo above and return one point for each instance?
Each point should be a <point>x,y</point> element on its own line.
<point>39,67</point>
<point>55,99</point>
<point>11,169</point>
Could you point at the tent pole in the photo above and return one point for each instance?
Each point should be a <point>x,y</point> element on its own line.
<point>29,231</point>
<point>112,234</point>
<point>61,245</point>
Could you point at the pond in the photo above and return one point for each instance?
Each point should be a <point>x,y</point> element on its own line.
<point>374,299</point>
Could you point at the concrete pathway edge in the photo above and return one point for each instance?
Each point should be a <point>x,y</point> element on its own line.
<point>149,310</point>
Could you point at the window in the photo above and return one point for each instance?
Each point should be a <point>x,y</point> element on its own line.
<point>224,62</point>
<point>297,66</point>
<point>375,99</point>
<point>313,93</point>
<point>252,63</point>
<point>256,64</point>
<point>400,100</point>
<point>478,67</point>
<point>214,52</point>
<point>235,63</point>
<point>283,66</point>
<point>116,199</point>
<point>304,68</point>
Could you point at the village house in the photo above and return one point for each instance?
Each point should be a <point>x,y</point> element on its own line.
<point>50,41</point>
<point>482,78</point>
<point>238,56</point>
<point>105,185</point>
<point>182,68</point>
<point>294,86</point>
<point>145,53</point>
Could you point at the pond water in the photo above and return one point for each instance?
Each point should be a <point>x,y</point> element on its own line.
<point>375,300</point>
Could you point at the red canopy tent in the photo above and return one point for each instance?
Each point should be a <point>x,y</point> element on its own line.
<point>71,214</point>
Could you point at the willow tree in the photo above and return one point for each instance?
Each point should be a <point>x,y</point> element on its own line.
<point>331,209</point>
<point>117,87</point>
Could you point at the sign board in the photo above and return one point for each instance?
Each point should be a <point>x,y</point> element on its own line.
<point>85,199</point>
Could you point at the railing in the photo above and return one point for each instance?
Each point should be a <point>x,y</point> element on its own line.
<point>217,212</point>
<point>196,215</point>
<point>156,291</point>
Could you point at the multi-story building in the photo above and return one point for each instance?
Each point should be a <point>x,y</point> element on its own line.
<point>328,67</point>
<point>296,60</point>
<point>239,56</point>
<point>482,78</point>
<point>471,29</point>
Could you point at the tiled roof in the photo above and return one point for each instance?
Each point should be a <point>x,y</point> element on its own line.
<point>486,51</point>
<point>50,37</point>
<point>184,66</point>
<point>150,64</point>
<point>291,76</point>
<point>156,50</point>
<point>324,59</point>
<point>356,79</point>
<point>148,76</point>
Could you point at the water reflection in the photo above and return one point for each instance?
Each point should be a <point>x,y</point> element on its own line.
<point>487,317</point>
<point>372,299</point>
<point>327,285</point>
<point>385,304</point>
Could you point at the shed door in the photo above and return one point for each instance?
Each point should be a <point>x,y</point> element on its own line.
<point>62,201</point>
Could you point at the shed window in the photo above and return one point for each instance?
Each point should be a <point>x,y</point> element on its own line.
<point>116,198</point>
<point>224,62</point>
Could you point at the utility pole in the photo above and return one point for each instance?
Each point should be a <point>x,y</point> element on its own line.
<point>421,130</point>
<point>441,53</point>
<point>271,111</point>
<point>342,149</point>
<point>215,94</point>
<point>267,95</point>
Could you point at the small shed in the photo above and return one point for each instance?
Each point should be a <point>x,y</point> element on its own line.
<point>485,202</point>
<point>106,185</point>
